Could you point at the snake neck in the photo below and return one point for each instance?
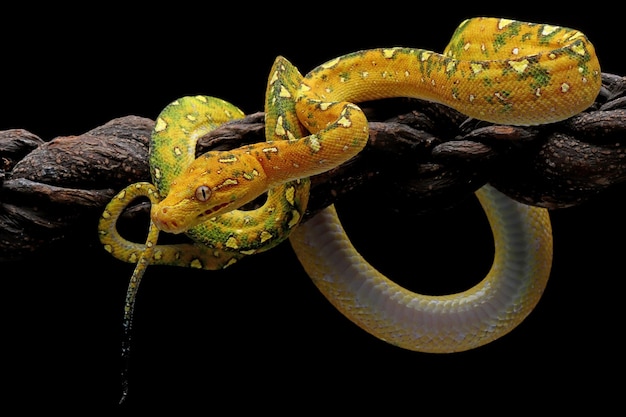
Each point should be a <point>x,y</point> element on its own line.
<point>219,182</point>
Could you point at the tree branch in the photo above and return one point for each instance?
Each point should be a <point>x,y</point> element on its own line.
<point>420,155</point>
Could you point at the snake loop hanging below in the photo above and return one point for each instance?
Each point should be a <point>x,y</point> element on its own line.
<point>497,70</point>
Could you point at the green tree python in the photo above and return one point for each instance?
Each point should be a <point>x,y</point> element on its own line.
<point>496,70</point>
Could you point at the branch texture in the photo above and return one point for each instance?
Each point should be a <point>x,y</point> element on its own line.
<point>420,155</point>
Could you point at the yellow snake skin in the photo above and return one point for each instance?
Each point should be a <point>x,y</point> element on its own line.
<point>497,70</point>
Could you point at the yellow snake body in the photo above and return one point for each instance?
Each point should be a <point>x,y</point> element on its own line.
<point>497,70</point>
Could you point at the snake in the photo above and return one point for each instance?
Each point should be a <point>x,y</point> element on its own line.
<point>496,70</point>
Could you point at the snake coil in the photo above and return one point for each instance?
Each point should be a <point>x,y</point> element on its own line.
<point>496,70</point>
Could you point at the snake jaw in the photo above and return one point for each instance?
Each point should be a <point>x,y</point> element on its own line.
<point>212,211</point>
<point>172,219</point>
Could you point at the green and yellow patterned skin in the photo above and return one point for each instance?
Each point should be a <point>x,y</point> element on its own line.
<point>497,70</point>
<point>220,235</point>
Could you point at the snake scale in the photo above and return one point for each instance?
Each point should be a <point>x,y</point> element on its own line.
<point>496,70</point>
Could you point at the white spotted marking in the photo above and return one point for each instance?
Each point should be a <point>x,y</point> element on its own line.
<point>502,23</point>
<point>579,48</point>
<point>279,130</point>
<point>331,63</point>
<point>160,125</point>
<point>290,195</point>
<point>388,53</point>
<point>229,159</point>
<point>284,92</point>
<point>325,106</point>
<point>314,143</point>
<point>548,30</point>
<point>344,122</point>
<point>519,66</point>
<point>274,78</point>
<point>476,67</point>
<point>265,236</point>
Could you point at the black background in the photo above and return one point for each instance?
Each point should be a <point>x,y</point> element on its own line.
<point>259,336</point>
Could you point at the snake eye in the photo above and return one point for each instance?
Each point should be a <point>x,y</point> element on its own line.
<point>203,193</point>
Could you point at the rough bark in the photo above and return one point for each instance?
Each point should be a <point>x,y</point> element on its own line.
<point>420,155</point>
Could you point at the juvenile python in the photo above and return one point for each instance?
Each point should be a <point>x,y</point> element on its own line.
<point>497,70</point>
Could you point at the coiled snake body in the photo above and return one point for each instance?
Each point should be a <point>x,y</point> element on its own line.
<point>497,70</point>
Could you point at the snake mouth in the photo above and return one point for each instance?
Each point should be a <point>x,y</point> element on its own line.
<point>212,210</point>
<point>172,224</point>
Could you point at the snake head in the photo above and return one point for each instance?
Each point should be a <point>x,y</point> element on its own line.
<point>213,184</point>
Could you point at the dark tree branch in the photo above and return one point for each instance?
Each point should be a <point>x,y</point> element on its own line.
<point>420,155</point>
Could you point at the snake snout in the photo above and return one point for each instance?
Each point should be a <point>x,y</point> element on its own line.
<point>164,222</point>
